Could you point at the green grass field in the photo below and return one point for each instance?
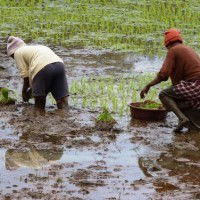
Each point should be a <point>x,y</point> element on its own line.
<point>135,25</point>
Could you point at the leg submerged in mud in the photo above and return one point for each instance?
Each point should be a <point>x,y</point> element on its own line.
<point>171,105</point>
<point>62,103</point>
<point>194,117</point>
<point>39,108</point>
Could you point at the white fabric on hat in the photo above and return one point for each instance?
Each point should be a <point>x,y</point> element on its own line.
<point>13,44</point>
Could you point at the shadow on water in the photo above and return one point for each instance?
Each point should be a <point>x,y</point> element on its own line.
<point>82,62</point>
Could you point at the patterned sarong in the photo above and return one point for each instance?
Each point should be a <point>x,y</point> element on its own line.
<point>190,92</point>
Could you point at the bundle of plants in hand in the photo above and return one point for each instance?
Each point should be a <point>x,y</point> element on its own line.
<point>5,99</point>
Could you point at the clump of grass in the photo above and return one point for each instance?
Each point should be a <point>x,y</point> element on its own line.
<point>5,99</point>
<point>105,116</point>
<point>105,120</point>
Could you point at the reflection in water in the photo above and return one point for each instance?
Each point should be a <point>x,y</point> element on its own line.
<point>31,158</point>
<point>176,168</point>
<point>182,158</point>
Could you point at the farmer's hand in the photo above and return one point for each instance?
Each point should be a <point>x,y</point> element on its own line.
<point>144,91</point>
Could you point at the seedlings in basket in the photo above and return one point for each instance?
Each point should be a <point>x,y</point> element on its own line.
<point>151,105</point>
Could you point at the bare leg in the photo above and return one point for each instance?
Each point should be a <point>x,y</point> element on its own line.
<point>39,108</point>
<point>171,105</point>
<point>62,103</point>
<point>183,105</point>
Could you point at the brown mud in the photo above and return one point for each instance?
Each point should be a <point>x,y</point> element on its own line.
<point>63,156</point>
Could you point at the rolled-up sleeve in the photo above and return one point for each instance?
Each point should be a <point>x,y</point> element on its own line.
<point>21,64</point>
<point>168,66</point>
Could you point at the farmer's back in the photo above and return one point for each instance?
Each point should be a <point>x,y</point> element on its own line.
<point>35,58</point>
<point>182,63</point>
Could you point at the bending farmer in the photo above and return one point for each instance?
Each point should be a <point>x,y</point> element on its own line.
<point>42,70</point>
<point>182,65</point>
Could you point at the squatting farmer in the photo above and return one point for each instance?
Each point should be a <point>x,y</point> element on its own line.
<point>182,65</point>
<point>42,71</point>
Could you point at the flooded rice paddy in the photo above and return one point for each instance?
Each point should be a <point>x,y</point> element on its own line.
<point>62,155</point>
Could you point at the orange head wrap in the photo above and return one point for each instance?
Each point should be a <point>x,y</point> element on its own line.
<point>171,36</point>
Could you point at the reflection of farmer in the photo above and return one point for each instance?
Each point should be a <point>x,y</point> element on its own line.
<point>42,70</point>
<point>182,65</point>
<point>32,158</point>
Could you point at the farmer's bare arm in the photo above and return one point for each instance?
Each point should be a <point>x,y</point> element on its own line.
<point>24,89</point>
<point>163,74</point>
<point>145,90</point>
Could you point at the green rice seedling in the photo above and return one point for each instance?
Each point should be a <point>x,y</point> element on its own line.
<point>115,95</point>
<point>105,116</point>
<point>84,102</point>
<point>105,120</point>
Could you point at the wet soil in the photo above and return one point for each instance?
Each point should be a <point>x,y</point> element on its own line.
<point>63,156</point>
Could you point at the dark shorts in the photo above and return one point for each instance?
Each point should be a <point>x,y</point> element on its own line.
<point>52,79</point>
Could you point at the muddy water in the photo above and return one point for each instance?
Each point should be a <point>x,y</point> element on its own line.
<point>63,156</point>
<point>101,62</point>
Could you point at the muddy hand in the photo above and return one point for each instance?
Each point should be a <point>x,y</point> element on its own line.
<point>144,92</point>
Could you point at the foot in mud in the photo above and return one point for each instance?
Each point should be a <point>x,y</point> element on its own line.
<point>182,123</point>
<point>62,103</point>
<point>193,127</point>
<point>62,112</point>
<point>38,112</point>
